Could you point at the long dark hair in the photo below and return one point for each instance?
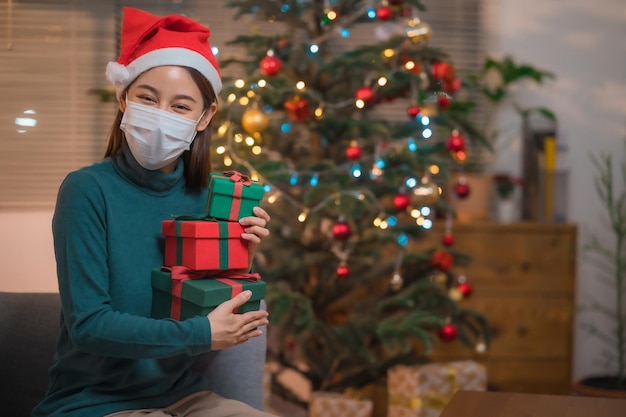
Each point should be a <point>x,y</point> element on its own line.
<point>198,158</point>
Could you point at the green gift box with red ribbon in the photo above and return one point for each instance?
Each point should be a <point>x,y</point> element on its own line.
<point>232,196</point>
<point>205,244</point>
<point>181,293</point>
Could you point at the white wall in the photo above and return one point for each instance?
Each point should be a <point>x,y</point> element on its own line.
<point>582,42</point>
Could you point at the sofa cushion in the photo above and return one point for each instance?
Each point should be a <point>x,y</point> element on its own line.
<point>29,325</point>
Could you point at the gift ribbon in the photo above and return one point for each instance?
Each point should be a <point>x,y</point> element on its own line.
<point>223,243</point>
<point>430,398</point>
<point>180,274</point>
<point>240,180</point>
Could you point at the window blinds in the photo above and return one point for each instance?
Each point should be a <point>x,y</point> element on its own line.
<point>53,54</point>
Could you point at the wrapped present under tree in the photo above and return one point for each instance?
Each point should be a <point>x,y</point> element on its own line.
<point>425,390</point>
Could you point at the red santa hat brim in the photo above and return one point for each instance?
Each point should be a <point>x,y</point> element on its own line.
<point>150,41</point>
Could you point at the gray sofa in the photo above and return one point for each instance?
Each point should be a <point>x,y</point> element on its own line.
<point>29,324</point>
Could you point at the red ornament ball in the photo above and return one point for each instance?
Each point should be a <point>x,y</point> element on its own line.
<point>401,202</point>
<point>443,71</point>
<point>441,260</point>
<point>456,142</point>
<point>448,239</point>
<point>343,271</point>
<point>461,189</point>
<point>448,333</point>
<point>413,111</point>
<point>453,86</point>
<point>341,230</point>
<point>366,94</point>
<point>297,109</point>
<point>353,152</point>
<point>443,101</point>
<point>465,288</point>
<point>270,65</point>
<point>384,13</point>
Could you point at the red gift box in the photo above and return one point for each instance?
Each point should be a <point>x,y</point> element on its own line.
<point>205,244</point>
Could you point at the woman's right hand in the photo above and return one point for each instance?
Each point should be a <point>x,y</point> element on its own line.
<point>229,329</point>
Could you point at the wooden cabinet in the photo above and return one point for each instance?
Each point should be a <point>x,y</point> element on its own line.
<point>523,278</point>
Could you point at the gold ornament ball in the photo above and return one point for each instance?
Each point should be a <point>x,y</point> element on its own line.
<point>418,31</point>
<point>254,120</point>
<point>455,294</point>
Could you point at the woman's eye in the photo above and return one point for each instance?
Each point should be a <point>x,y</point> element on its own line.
<point>181,107</point>
<point>147,98</point>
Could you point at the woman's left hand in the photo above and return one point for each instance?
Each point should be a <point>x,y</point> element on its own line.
<point>255,230</point>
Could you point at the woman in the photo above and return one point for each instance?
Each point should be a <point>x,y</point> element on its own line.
<point>112,358</point>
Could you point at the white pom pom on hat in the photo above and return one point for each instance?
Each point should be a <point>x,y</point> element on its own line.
<point>150,41</point>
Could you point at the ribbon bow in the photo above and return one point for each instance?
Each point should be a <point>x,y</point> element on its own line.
<point>182,273</point>
<point>237,176</point>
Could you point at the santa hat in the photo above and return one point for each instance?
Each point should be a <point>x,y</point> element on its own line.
<point>150,41</point>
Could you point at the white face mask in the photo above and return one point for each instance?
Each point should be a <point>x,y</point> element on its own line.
<point>156,137</point>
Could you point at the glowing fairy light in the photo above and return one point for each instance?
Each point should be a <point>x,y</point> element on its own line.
<point>271,199</point>
<point>359,104</point>
<point>433,169</point>
<point>319,112</point>
<point>427,224</point>
<point>415,213</point>
<point>410,182</point>
<point>293,180</point>
<point>238,138</point>
<point>243,101</point>
<point>231,98</point>
<point>227,161</point>
<point>382,81</point>
<point>221,131</point>
<point>427,133</point>
<point>220,150</point>
<point>315,179</point>
<point>262,83</point>
<point>389,53</point>
<point>256,150</point>
<point>250,141</point>
<point>300,85</point>
<point>412,145</point>
<point>250,94</point>
<point>425,211</point>
<point>356,170</point>
<point>302,216</point>
<point>403,239</point>
<point>425,120</point>
<point>240,83</point>
<point>314,48</point>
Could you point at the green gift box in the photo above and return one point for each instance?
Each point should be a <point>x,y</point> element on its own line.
<point>191,293</point>
<point>232,196</point>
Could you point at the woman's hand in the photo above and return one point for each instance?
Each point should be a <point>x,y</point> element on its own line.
<point>255,230</point>
<point>229,329</point>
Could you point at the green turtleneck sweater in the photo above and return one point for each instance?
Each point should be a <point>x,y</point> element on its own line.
<point>111,355</point>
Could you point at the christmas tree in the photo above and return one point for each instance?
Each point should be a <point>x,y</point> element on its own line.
<point>348,189</point>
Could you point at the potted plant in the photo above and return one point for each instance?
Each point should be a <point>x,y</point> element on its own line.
<point>608,253</point>
<point>496,84</point>
<point>505,203</point>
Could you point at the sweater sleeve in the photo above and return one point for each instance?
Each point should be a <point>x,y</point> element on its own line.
<point>80,230</point>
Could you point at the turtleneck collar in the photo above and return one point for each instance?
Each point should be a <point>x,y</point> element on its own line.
<point>155,182</point>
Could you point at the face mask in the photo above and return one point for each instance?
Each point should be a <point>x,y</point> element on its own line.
<point>156,137</point>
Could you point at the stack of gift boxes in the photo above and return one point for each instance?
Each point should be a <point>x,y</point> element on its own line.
<point>204,253</point>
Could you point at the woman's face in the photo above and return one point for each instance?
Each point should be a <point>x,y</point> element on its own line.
<point>170,88</point>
